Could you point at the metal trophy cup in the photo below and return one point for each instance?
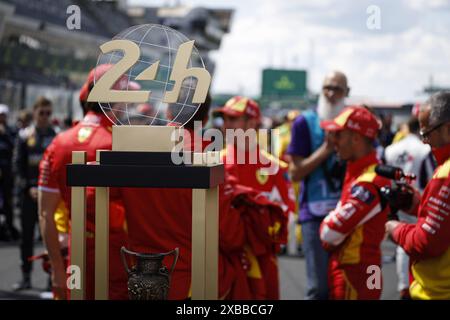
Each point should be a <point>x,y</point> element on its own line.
<point>141,155</point>
<point>149,279</point>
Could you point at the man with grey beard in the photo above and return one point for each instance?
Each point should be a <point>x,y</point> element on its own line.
<point>314,163</point>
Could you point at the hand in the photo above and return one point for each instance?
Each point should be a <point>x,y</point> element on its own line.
<point>33,193</point>
<point>389,227</point>
<point>412,210</point>
<point>59,285</point>
<point>328,143</point>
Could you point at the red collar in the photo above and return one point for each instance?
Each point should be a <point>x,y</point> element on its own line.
<point>442,154</point>
<point>94,118</point>
<point>356,168</point>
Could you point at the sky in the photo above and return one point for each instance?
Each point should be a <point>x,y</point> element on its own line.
<point>391,63</point>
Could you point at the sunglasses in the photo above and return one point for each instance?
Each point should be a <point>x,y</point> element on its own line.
<point>45,113</point>
<point>333,88</point>
<point>424,134</point>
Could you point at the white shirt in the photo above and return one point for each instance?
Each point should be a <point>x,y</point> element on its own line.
<point>408,154</point>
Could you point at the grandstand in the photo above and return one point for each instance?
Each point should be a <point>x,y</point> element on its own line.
<point>40,55</point>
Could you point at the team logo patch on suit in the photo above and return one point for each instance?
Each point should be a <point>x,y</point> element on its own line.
<point>84,133</point>
<point>31,141</point>
<point>346,211</point>
<point>361,193</point>
<point>261,176</point>
<point>444,192</point>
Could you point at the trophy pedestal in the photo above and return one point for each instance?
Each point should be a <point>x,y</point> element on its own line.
<point>142,158</point>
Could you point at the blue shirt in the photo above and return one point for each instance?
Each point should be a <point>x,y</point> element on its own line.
<point>301,146</point>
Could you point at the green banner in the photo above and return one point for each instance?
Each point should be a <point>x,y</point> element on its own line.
<point>283,83</point>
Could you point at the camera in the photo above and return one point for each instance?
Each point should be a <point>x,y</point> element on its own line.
<point>400,195</point>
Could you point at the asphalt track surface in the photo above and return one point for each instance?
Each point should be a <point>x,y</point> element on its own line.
<point>292,274</point>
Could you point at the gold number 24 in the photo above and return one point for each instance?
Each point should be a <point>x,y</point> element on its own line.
<point>102,91</point>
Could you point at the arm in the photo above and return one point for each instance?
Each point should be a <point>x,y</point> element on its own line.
<point>429,237</point>
<point>231,224</point>
<point>19,160</point>
<point>300,167</point>
<point>48,200</point>
<point>304,161</point>
<point>286,190</point>
<point>362,205</point>
<point>47,204</point>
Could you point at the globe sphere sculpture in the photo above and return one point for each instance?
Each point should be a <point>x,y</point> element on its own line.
<point>156,43</point>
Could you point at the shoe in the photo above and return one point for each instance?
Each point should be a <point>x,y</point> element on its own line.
<point>24,284</point>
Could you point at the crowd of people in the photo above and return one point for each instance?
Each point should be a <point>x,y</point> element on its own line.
<point>325,182</point>
<point>21,151</point>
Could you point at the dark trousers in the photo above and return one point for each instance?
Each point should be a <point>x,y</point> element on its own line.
<point>6,209</point>
<point>29,219</point>
<point>316,259</point>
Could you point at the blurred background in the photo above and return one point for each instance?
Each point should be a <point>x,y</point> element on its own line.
<point>275,52</point>
<point>395,54</point>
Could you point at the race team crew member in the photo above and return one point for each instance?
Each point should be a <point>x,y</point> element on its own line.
<point>160,220</point>
<point>353,232</point>
<point>412,156</point>
<point>428,241</point>
<point>91,134</point>
<point>262,172</point>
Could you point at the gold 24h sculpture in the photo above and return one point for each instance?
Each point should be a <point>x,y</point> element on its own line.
<point>141,157</point>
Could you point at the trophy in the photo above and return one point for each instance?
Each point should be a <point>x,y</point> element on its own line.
<point>142,157</point>
<point>148,279</point>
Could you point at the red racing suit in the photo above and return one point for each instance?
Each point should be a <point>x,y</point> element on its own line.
<point>91,134</point>
<point>353,233</point>
<point>160,220</point>
<point>428,241</point>
<point>276,187</point>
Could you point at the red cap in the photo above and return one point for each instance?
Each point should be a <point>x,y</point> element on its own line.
<point>97,73</point>
<point>239,106</point>
<point>357,119</point>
